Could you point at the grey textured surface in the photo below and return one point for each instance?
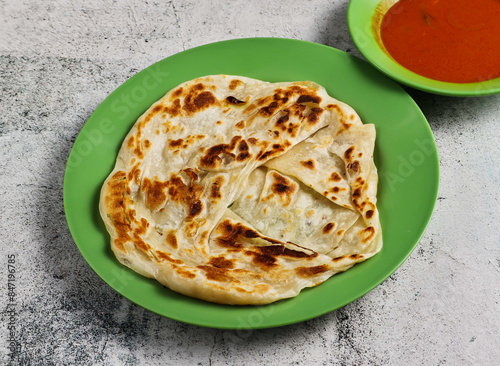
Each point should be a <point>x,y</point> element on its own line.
<point>58,61</point>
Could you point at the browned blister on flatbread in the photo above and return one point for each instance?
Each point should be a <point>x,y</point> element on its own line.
<point>239,191</point>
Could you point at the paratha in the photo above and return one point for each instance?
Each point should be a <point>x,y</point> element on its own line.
<point>240,191</point>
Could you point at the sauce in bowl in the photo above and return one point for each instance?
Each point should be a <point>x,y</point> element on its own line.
<point>448,40</point>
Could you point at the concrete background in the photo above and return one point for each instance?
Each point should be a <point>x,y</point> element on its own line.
<point>60,59</point>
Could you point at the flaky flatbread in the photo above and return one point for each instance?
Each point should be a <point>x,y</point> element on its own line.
<point>239,191</point>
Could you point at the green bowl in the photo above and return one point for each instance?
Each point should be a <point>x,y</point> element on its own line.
<point>360,18</point>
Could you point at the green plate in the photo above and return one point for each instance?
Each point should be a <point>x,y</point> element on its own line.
<point>405,154</point>
<point>360,18</point>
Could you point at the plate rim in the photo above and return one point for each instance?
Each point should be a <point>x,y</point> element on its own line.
<point>305,317</point>
<point>380,60</point>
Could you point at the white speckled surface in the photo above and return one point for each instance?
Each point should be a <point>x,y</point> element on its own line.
<point>58,61</point>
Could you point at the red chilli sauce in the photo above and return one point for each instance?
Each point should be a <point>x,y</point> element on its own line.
<point>448,40</point>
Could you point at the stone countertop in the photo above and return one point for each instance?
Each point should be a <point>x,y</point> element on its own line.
<point>58,61</point>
